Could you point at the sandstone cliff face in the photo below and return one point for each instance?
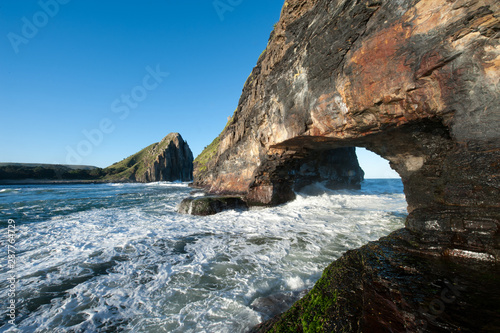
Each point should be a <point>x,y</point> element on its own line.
<point>416,81</point>
<point>168,160</point>
<point>282,176</point>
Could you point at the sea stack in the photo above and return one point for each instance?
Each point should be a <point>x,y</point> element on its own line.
<point>170,159</point>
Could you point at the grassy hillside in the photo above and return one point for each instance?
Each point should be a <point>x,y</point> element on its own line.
<point>49,166</point>
<point>126,169</point>
<point>206,155</point>
<point>202,160</point>
<point>51,172</point>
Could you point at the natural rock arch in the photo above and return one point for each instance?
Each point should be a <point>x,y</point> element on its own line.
<point>417,82</point>
<point>441,182</point>
<point>414,81</point>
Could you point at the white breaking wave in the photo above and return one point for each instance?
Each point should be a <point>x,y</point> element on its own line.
<point>141,267</point>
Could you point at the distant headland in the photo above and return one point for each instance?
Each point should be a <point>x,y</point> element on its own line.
<point>170,159</point>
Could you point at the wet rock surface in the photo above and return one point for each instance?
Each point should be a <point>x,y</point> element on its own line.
<point>390,286</point>
<point>275,304</point>
<point>210,205</point>
<point>414,81</point>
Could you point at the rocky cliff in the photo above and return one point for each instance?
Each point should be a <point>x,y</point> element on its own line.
<point>415,81</point>
<point>170,159</point>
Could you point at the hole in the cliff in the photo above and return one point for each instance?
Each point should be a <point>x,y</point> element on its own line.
<point>337,214</point>
<point>374,166</point>
<point>339,169</point>
<point>379,177</point>
<point>355,178</point>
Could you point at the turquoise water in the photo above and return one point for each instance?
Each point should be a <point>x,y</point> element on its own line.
<point>118,258</point>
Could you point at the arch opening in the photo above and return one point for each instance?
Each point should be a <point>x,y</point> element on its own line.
<point>451,207</point>
<point>374,166</point>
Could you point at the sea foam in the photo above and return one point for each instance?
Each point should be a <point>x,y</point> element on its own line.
<point>119,258</point>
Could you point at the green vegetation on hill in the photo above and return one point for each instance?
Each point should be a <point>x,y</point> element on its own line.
<point>206,155</point>
<point>51,172</point>
<point>134,166</point>
<point>201,161</point>
<point>126,169</point>
<point>43,165</point>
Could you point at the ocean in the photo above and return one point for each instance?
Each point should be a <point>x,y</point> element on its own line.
<point>119,258</point>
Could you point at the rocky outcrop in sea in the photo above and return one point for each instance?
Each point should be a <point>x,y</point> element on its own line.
<point>170,159</point>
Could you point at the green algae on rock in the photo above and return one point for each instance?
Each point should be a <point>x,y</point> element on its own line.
<point>390,286</point>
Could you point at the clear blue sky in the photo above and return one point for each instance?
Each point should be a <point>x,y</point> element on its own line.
<point>92,82</point>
